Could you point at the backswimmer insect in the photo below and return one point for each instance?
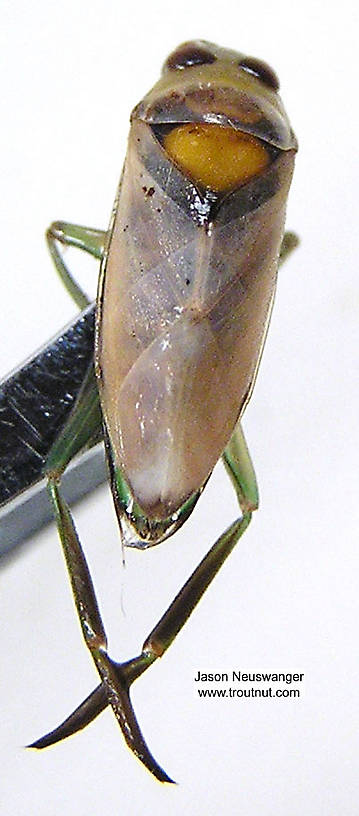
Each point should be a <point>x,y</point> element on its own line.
<point>187,280</point>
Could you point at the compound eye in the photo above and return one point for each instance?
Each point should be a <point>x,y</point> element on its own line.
<point>260,70</point>
<point>187,55</point>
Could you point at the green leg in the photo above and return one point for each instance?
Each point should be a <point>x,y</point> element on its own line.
<point>84,426</point>
<point>85,420</point>
<point>61,233</point>
<point>82,429</point>
<point>113,678</point>
<point>117,678</point>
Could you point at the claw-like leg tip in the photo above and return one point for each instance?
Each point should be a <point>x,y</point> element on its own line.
<point>38,744</point>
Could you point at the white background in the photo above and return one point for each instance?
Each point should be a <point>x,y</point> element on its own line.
<point>287,599</point>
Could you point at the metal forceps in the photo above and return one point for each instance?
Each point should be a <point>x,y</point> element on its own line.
<point>35,401</point>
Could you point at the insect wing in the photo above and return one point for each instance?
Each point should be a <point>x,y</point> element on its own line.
<point>184,303</point>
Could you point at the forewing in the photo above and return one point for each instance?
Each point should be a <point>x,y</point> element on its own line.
<point>183,315</point>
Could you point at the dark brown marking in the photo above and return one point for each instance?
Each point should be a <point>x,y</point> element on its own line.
<point>188,55</point>
<point>261,70</point>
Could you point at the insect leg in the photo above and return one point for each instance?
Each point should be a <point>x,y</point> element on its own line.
<point>240,469</point>
<point>114,680</point>
<point>82,716</point>
<point>84,424</point>
<point>85,238</point>
<point>82,429</point>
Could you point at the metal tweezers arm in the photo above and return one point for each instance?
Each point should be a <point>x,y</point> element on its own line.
<point>35,401</point>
